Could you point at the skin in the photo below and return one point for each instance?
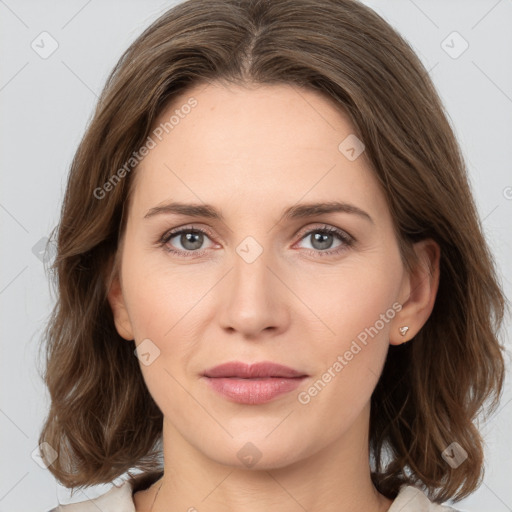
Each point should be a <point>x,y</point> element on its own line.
<point>251,152</point>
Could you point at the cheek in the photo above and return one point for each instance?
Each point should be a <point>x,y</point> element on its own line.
<point>352,299</point>
<point>357,304</point>
<point>158,295</point>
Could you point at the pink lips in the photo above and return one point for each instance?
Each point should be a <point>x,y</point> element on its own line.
<point>253,383</point>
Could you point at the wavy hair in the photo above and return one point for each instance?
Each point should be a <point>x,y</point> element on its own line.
<point>102,421</point>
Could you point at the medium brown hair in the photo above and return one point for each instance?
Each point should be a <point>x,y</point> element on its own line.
<point>102,420</point>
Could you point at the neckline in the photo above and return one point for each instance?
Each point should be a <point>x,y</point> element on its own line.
<point>409,497</point>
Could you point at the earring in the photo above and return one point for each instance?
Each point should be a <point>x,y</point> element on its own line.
<point>403,330</point>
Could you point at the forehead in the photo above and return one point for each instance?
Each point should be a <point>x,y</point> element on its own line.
<point>275,142</point>
<point>253,117</point>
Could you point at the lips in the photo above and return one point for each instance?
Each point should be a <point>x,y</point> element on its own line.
<point>252,384</point>
<point>262,370</point>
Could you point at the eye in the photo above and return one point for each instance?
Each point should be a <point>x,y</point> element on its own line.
<point>322,239</point>
<point>190,240</point>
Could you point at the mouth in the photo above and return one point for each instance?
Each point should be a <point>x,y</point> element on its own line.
<point>253,384</point>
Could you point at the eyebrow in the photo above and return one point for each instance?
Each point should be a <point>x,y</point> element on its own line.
<point>298,211</point>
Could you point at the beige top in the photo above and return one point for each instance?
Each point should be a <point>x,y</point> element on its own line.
<point>119,499</point>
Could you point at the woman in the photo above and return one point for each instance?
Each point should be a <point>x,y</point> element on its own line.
<point>274,292</point>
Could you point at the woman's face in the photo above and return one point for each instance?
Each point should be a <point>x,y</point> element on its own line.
<point>258,283</point>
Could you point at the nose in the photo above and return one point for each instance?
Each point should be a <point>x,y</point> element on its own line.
<point>253,299</point>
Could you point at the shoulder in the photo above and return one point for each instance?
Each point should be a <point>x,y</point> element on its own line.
<point>412,499</point>
<point>117,499</point>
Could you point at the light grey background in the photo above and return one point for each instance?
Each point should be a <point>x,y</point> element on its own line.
<point>47,102</point>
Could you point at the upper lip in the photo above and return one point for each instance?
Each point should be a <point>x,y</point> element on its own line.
<point>254,370</point>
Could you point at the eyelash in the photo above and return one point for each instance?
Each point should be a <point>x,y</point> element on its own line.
<point>348,241</point>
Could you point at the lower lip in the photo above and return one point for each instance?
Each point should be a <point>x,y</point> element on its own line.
<point>253,391</point>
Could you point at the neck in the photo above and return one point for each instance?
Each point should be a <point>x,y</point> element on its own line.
<point>336,478</point>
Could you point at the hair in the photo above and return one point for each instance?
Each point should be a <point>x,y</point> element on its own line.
<point>102,421</point>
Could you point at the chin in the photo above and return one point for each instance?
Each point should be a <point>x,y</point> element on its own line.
<point>259,452</point>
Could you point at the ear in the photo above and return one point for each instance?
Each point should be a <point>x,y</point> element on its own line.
<point>119,311</point>
<point>418,291</point>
